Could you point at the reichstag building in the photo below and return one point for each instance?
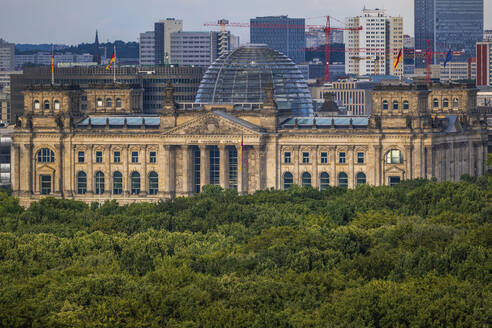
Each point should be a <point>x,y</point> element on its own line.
<point>255,97</point>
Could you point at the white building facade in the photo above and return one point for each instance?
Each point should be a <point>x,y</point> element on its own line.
<point>146,52</point>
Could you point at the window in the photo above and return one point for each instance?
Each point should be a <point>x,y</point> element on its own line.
<point>45,183</point>
<point>324,158</point>
<point>435,103</point>
<point>385,104</point>
<point>135,183</point>
<point>287,158</point>
<point>394,181</point>
<point>361,178</point>
<point>360,158</point>
<point>445,103</point>
<point>406,104</point>
<point>116,157</point>
<point>134,156</point>
<point>117,183</point>
<point>46,104</point>
<point>109,102</point>
<point>118,102</point>
<point>99,156</point>
<point>153,183</point>
<point>46,155</point>
<point>81,157</point>
<point>456,102</point>
<point>395,104</point>
<point>288,180</point>
<point>324,181</point>
<point>99,102</point>
<point>153,157</point>
<point>343,180</point>
<point>57,104</point>
<point>99,183</point>
<point>81,183</point>
<point>305,158</point>
<point>214,169</point>
<point>306,179</point>
<point>394,156</point>
<point>233,168</point>
<point>36,104</point>
<point>341,157</point>
<point>196,169</point>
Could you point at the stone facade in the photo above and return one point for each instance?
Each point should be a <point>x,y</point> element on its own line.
<point>116,152</point>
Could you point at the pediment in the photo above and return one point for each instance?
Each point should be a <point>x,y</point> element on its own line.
<point>46,169</point>
<point>216,123</point>
<point>394,169</point>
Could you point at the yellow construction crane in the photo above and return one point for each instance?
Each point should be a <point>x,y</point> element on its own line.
<point>375,58</point>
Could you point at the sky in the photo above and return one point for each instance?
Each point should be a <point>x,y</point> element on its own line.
<point>75,21</point>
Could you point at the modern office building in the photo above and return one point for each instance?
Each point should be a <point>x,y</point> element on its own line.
<point>281,33</point>
<point>448,24</point>
<point>5,106</point>
<point>317,38</point>
<point>373,49</point>
<point>484,63</point>
<point>7,54</point>
<point>487,35</point>
<point>162,34</point>
<point>152,80</point>
<point>195,48</point>
<point>44,58</point>
<point>5,149</point>
<point>146,50</point>
<point>456,71</point>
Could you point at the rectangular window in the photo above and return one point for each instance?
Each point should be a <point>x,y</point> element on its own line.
<point>153,157</point>
<point>360,158</point>
<point>305,158</point>
<point>45,182</point>
<point>99,156</point>
<point>196,167</point>
<point>287,157</point>
<point>324,158</point>
<point>233,168</point>
<point>214,166</point>
<point>134,156</point>
<point>341,157</point>
<point>394,180</point>
<point>81,157</point>
<point>116,157</point>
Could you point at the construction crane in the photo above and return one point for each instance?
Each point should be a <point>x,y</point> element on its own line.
<point>428,58</point>
<point>375,58</point>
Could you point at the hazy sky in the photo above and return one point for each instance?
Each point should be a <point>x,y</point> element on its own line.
<point>74,21</point>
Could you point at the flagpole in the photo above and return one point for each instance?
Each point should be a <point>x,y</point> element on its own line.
<point>114,68</point>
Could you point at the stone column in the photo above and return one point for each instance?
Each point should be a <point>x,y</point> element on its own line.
<point>298,160</point>
<point>24,169</point>
<point>333,173</point>
<point>408,157</point>
<point>167,170</point>
<point>143,189</point>
<point>126,164</point>
<point>224,165</point>
<point>90,175</point>
<point>60,154</point>
<point>378,165</point>
<point>109,189</point>
<point>204,166</point>
<point>187,175</point>
<point>259,166</point>
<point>315,175</point>
<point>351,169</point>
<point>480,159</point>
<point>471,158</point>
<point>14,168</point>
<point>242,176</point>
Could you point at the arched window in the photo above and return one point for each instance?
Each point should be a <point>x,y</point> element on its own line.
<point>57,105</point>
<point>288,180</point>
<point>445,103</point>
<point>36,104</point>
<point>456,102</point>
<point>81,183</point>
<point>361,178</point>
<point>406,104</point>
<point>46,104</point>
<point>343,180</point>
<point>306,179</point>
<point>385,104</point>
<point>324,181</point>
<point>99,102</point>
<point>435,103</point>
<point>46,155</point>
<point>117,183</point>
<point>153,183</point>
<point>394,156</point>
<point>99,183</point>
<point>109,102</point>
<point>395,104</point>
<point>118,102</point>
<point>135,183</point>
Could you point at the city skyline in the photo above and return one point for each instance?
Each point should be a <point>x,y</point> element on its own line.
<point>33,22</point>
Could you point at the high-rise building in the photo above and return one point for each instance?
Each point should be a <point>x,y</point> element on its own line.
<point>373,49</point>
<point>458,71</point>
<point>146,52</point>
<point>484,63</point>
<point>448,24</point>
<point>317,38</point>
<point>162,34</point>
<point>7,53</point>
<point>487,35</point>
<point>281,33</point>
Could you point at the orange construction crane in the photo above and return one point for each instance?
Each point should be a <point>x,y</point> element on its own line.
<point>428,58</point>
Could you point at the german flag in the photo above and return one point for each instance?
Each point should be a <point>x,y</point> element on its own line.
<point>111,61</point>
<point>397,60</point>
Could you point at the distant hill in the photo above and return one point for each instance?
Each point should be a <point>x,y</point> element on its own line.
<point>123,49</point>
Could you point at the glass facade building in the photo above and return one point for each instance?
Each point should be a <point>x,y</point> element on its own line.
<point>281,33</point>
<point>448,24</point>
<point>242,75</point>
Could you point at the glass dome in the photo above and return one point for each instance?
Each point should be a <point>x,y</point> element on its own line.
<point>241,75</point>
